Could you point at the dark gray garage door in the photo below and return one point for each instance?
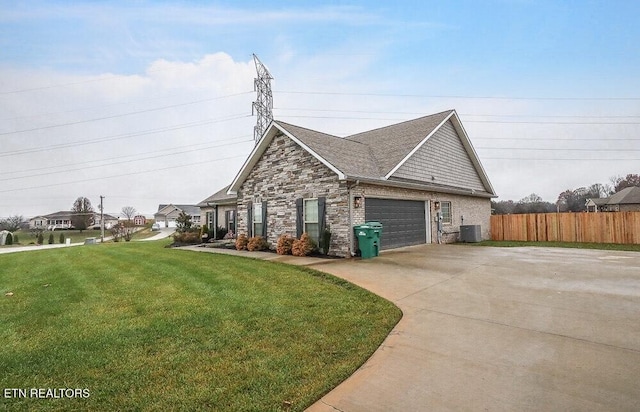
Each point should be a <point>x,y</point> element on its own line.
<point>403,221</point>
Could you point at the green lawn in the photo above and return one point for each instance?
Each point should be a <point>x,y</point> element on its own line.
<point>602,246</point>
<point>142,327</point>
<point>25,237</point>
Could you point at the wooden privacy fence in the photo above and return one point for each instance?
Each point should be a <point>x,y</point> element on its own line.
<point>605,227</point>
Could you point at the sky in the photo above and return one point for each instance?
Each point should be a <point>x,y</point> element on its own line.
<point>149,102</point>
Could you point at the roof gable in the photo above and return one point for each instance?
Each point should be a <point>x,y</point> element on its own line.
<point>442,159</point>
<point>219,197</point>
<point>392,144</point>
<point>628,195</point>
<point>374,155</point>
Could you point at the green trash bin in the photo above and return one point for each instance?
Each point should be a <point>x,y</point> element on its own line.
<point>367,241</point>
<point>376,228</point>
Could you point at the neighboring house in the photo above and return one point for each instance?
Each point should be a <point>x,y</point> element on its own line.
<point>597,205</point>
<point>64,220</point>
<point>52,221</point>
<point>109,221</point>
<point>139,220</point>
<point>626,200</point>
<point>220,210</point>
<point>405,176</point>
<point>38,222</point>
<point>167,214</point>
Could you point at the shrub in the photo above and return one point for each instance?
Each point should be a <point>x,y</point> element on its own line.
<point>303,246</point>
<point>325,241</point>
<point>257,243</point>
<point>51,239</point>
<point>61,239</point>
<point>285,243</point>
<point>9,239</point>
<point>15,239</point>
<point>241,242</point>
<point>40,238</point>
<point>190,238</point>
<point>221,232</point>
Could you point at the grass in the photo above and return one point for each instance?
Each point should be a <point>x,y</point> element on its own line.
<point>26,237</point>
<point>600,246</point>
<point>142,327</point>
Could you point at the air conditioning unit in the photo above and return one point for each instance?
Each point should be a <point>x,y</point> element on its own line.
<point>470,233</point>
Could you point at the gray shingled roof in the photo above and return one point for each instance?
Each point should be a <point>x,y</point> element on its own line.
<point>219,197</point>
<point>393,143</point>
<point>350,157</point>
<point>368,155</point>
<point>191,210</point>
<point>629,195</point>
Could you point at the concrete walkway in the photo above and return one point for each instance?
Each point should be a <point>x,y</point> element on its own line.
<point>497,329</point>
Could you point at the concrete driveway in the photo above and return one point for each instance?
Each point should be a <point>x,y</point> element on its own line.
<point>498,329</point>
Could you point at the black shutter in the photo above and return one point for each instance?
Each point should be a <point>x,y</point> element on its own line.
<point>322,224</point>
<point>264,219</point>
<point>250,219</point>
<point>299,218</point>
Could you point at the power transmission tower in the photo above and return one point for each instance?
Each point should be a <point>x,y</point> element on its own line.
<point>263,106</point>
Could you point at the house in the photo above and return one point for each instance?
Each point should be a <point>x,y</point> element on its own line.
<point>219,210</point>
<point>597,205</point>
<point>626,200</point>
<point>52,221</point>
<point>414,177</point>
<point>139,220</point>
<point>167,214</point>
<point>109,221</point>
<point>64,220</point>
<point>38,222</point>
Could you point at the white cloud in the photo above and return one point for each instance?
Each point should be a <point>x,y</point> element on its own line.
<point>200,109</point>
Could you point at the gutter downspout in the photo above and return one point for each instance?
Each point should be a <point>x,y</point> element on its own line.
<point>351,237</point>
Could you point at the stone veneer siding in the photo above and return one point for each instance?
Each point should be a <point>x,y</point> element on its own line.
<point>476,210</point>
<point>284,173</point>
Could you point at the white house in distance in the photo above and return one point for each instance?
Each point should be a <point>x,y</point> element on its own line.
<point>64,220</point>
<point>168,213</point>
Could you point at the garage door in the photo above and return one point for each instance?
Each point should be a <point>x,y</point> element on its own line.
<point>403,221</point>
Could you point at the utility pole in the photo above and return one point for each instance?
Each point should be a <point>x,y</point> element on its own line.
<point>101,220</point>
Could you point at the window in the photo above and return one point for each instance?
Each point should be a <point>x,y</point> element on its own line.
<point>230,217</point>
<point>445,209</point>
<point>257,219</point>
<point>209,218</point>
<point>311,225</point>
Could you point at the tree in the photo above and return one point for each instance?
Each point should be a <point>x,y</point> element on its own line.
<point>533,204</point>
<point>574,200</point>
<point>83,213</point>
<point>503,207</point>
<point>183,222</point>
<point>12,223</point>
<point>620,183</point>
<point>129,212</point>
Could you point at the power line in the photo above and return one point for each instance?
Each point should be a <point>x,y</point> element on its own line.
<point>125,161</point>
<point>433,96</point>
<point>461,114</point>
<point>137,172</point>
<point>172,149</point>
<point>121,136</point>
<point>84,109</point>
<point>558,159</point>
<point>466,121</point>
<point>560,139</point>
<point>559,149</point>
<point>121,115</point>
